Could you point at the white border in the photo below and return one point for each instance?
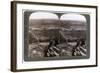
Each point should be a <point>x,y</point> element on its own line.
<point>59,63</point>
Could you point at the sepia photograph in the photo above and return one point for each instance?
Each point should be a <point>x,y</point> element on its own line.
<point>46,36</point>
<point>56,35</point>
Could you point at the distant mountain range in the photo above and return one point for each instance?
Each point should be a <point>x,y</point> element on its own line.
<point>52,23</point>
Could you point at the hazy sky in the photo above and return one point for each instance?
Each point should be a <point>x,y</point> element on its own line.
<point>43,15</point>
<point>72,16</point>
<point>48,15</point>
